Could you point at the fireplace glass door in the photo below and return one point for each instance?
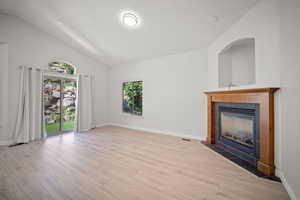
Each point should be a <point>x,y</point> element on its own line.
<point>238,128</point>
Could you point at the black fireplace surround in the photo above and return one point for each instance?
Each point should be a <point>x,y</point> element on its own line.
<point>237,130</point>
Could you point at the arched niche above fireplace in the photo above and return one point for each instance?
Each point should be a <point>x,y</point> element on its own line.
<point>237,63</point>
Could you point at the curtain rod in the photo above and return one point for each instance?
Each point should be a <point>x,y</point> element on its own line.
<point>21,66</point>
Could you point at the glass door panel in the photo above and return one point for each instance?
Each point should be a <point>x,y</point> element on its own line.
<point>69,107</point>
<point>52,105</point>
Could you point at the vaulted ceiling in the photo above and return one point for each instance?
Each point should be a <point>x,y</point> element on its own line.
<point>168,26</point>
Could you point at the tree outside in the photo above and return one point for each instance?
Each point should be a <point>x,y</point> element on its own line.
<point>133,97</point>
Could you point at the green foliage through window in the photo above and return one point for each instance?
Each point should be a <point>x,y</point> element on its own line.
<point>69,68</point>
<point>62,67</point>
<point>133,97</point>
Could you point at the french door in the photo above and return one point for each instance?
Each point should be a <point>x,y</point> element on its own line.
<point>59,104</point>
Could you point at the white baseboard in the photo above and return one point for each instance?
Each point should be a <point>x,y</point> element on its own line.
<point>160,132</point>
<point>101,125</point>
<point>6,142</point>
<point>287,186</point>
<point>96,126</point>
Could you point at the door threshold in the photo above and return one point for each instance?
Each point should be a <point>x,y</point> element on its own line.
<point>59,133</point>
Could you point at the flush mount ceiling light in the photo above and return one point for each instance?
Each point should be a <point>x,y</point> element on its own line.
<point>129,19</point>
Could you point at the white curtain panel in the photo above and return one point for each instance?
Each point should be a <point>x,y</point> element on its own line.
<point>30,123</point>
<point>85,103</point>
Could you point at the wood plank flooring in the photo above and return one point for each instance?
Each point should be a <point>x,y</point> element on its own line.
<point>112,163</point>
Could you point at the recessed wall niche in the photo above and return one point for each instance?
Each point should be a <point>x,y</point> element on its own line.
<point>237,63</point>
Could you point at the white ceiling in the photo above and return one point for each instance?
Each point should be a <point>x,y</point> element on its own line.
<point>168,26</point>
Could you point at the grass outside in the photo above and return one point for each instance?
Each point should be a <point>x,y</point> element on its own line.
<point>66,84</point>
<point>54,127</point>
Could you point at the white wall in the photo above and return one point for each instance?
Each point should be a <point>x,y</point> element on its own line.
<point>225,69</point>
<point>262,23</point>
<point>237,64</point>
<point>174,101</point>
<point>290,94</point>
<point>32,47</point>
<point>243,64</point>
<point>3,88</point>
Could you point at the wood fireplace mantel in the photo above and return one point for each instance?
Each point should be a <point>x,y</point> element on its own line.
<point>265,98</point>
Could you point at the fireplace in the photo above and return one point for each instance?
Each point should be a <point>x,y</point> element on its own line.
<point>237,129</point>
<point>242,123</point>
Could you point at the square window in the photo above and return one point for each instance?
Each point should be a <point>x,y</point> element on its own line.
<point>133,97</point>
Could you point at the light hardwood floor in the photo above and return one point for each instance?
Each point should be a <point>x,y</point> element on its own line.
<point>112,163</point>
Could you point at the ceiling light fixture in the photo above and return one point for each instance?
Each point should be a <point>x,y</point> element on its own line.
<point>129,19</point>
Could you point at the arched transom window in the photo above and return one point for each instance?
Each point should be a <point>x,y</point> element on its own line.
<point>62,67</point>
